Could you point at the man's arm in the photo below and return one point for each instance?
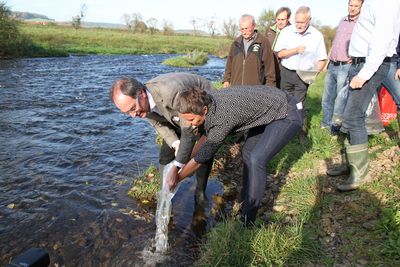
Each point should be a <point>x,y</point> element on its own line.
<point>174,179</point>
<point>321,65</point>
<point>285,53</point>
<point>380,42</point>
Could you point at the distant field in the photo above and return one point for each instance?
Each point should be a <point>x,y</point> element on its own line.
<point>65,39</point>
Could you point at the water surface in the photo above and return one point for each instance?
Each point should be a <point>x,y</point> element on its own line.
<point>67,158</point>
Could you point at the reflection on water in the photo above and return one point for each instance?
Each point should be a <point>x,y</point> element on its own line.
<point>67,158</point>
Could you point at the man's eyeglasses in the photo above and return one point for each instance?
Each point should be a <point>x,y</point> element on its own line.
<point>134,107</point>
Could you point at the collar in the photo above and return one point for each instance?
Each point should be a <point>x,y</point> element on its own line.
<point>347,18</point>
<point>274,28</point>
<point>253,37</point>
<point>151,100</point>
<point>307,31</point>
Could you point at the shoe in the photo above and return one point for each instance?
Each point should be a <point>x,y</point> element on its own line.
<point>335,129</point>
<point>342,169</point>
<point>358,159</point>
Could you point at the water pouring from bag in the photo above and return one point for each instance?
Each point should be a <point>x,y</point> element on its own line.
<point>163,213</point>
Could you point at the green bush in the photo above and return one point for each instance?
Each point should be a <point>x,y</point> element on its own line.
<point>9,33</point>
<point>195,58</point>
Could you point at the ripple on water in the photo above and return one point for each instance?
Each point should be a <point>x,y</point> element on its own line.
<point>65,146</point>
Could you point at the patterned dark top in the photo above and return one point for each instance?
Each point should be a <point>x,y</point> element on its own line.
<point>237,109</point>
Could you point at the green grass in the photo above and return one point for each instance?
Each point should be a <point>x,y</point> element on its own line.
<point>195,58</point>
<point>66,39</point>
<point>145,187</point>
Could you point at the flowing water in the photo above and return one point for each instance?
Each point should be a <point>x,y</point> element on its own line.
<point>68,157</point>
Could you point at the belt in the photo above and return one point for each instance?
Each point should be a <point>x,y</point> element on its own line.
<point>338,63</point>
<point>358,60</point>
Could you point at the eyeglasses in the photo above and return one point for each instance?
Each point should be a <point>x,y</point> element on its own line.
<point>134,106</point>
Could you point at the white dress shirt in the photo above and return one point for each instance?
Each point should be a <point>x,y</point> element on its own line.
<point>375,34</point>
<point>314,44</point>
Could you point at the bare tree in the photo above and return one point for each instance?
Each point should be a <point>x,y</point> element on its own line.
<point>265,20</point>
<point>168,28</point>
<point>77,20</point>
<point>230,28</point>
<point>135,23</point>
<point>211,26</point>
<point>152,25</point>
<point>126,19</point>
<point>193,21</point>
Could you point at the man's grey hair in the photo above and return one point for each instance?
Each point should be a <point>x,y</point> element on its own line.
<point>304,10</point>
<point>247,17</point>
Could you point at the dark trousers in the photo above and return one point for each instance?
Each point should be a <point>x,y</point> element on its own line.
<point>261,145</point>
<point>358,101</point>
<point>293,85</point>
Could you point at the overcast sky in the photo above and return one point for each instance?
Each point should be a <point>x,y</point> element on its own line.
<point>179,12</point>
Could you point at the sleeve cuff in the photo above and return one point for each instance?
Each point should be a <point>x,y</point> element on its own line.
<point>177,164</point>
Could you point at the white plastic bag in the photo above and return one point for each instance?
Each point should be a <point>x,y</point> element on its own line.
<point>163,213</point>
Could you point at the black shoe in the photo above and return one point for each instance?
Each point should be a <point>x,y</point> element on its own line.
<point>335,129</point>
<point>246,221</point>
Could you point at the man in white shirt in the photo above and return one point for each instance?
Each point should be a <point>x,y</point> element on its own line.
<point>300,47</point>
<point>372,45</point>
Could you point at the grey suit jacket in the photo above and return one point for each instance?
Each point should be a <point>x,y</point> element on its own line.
<point>164,90</point>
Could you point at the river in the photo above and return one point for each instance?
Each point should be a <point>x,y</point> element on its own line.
<point>68,157</point>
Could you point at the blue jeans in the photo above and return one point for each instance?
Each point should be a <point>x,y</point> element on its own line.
<point>358,101</point>
<point>392,85</point>
<point>261,145</point>
<point>335,80</point>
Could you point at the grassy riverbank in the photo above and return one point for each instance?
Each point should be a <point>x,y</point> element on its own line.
<point>310,223</point>
<point>59,40</point>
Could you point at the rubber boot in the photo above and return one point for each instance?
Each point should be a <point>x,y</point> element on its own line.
<point>304,130</point>
<point>342,169</point>
<point>202,174</point>
<point>357,156</point>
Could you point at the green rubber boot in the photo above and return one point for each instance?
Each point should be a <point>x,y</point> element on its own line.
<point>357,156</point>
<point>342,169</point>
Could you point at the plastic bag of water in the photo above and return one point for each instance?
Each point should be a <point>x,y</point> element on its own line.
<point>163,213</point>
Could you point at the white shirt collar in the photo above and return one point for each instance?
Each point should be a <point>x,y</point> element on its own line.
<point>151,100</point>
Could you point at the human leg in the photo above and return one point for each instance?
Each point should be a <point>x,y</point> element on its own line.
<point>287,80</point>
<point>357,104</point>
<point>261,145</point>
<point>354,122</point>
<point>340,101</point>
<point>393,87</point>
<point>329,95</point>
<point>202,174</point>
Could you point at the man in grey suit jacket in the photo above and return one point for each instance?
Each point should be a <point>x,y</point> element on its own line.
<point>156,101</point>
<point>271,118</point>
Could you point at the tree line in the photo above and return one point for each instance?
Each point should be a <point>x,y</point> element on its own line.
<point>14,44</point>
<point>229,28</point>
